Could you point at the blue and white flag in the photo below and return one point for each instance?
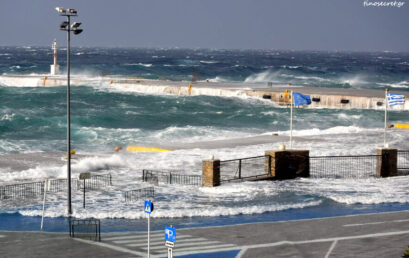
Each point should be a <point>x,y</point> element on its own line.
<point>395,99</point>
<point>301,99</point>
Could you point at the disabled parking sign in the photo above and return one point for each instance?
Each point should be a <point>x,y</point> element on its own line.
<point>170,234</point>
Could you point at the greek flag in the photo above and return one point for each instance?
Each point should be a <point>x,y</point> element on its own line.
<point>301,99</point>
<point>395,99</point>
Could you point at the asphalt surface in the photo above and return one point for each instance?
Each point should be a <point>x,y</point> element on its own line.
<point>371,235</point>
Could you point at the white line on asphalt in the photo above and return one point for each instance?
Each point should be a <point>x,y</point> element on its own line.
<point>182,246</point>
<point>2,236</point>
<point>320,240</point>
<point>187,251</point>
<point>243,248</point>
<point>136,236</point>
<point>241,253</point>
<point>376,223</point>
<point>233,247</point>
<point>145,238</point>
<point>116,248</point>
<point>331,248</point>
<point>143,242</point>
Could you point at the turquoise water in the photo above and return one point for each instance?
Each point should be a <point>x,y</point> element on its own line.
<point>33,119</point>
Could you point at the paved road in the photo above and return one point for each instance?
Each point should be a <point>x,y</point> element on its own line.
<point>373,235</point>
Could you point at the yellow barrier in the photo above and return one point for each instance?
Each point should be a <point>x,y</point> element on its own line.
<point>401,126</point>
<point>141,148</point>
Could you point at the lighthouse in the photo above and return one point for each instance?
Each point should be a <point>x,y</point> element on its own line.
<point>54,69</point>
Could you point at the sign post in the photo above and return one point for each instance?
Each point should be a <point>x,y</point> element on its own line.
<point>148,208</point>
<point>84,176</point>
<point>170,239</point>
<point>46,188</point>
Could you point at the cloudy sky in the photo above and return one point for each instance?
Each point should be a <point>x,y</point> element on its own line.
<point>239,24</point>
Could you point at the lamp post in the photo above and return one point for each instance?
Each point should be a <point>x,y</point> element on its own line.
<point>68,27</point>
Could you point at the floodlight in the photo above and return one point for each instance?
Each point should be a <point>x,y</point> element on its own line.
<point>64,25</point>
<point>77,31</point>
<point>72,11</point>
<point>60,10</point>
<point>75,25</point>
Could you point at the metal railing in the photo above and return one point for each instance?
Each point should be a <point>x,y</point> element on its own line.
<point>361,166</point>
<point>139,194</point>
<point>403,162</point>
<point>36,189</point>
<point>21,191</point>
<point>58,185</point>
<point>96,182</point>
<point>244,168</point>
<point>85,228</point>
<point>170,177</point>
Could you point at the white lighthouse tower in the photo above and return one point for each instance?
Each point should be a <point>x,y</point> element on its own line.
<point>54,68</point>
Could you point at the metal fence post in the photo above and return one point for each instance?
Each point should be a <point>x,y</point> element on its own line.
<point>239,168</point>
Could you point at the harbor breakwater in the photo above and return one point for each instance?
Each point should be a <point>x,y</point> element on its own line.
<point>335,98</point>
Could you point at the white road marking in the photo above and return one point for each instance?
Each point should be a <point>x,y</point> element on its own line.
<point>186,251</point>
<point>189,245</point>
<point>145,238</point>
<point>241,253</point>
<point>321,240</point>
<point>376,223</point>
<point>162,243</point>
<point>185,244</point>
<point>2,236</point>
<point>245,248</point>
<point>331,248</point>
<point>113,247</point>
<point>231,247</point>
<point>135,236</point>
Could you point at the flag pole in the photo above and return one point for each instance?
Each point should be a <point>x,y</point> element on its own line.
<point>291,120</point>
<point>386,118</point>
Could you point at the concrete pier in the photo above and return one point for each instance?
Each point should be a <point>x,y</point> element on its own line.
<point>337,98</point>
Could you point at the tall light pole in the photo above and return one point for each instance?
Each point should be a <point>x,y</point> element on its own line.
<point>68,27</point>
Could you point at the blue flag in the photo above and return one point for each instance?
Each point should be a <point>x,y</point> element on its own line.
<point>301,99</point>
<point>395,99</point>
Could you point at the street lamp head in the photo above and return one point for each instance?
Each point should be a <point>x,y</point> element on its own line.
<point>72,11</point>
<point>66,12</point>
<point>77,31</point>
<point>75,25</point>
<point>60,10</point>
<point>64,25</point>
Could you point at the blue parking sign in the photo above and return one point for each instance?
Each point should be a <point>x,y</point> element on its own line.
<point>170,234</point>
<point>148,207</point>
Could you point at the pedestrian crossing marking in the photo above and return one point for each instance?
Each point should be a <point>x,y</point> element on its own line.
<point>185,244</point>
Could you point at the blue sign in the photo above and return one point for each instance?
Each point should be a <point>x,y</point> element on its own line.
<point>148,207</point>
<point>170,234</point>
